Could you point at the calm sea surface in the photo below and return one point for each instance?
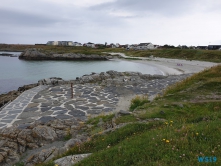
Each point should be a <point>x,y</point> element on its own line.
<point>15,73</point>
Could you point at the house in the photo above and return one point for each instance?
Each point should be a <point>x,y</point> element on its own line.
<point>132,46</point>
<point>77,44</point>
<point>112,45</point>
<point>89,44</point>
<point>100,46</point>
<point>60,43</point>
<point>52,43</point>
<point>202,47</point>
<point>183,47</point>
<point>214,47</point>
<point>124,46</point>
<point>145,46</point>
<point>117,45</point>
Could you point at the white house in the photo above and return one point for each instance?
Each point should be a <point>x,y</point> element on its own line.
<point>53,43</point>
<point>60,43</point>
<point>117,45</point>
<point>89,44</point>
<point>145,46</point>
<point>77,44</point>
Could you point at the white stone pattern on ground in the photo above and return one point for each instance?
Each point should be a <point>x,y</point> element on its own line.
<point>10,113</point>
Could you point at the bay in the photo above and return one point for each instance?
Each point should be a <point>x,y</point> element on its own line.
<point>15,72</point>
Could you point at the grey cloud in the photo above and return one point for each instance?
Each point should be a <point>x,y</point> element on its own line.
<point>10,17</point>
<point>169,7</point>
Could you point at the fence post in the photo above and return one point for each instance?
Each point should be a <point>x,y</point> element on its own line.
<point>72,90</point>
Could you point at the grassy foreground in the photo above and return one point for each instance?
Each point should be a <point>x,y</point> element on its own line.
<point>188,136</point>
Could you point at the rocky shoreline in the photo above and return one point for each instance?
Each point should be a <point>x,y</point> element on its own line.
<point>38,54</point>
<point>38,141</point>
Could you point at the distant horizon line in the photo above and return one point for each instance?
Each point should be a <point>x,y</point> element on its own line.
<point>111,43</point>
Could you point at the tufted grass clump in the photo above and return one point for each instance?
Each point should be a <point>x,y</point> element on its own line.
<point>138,101</point>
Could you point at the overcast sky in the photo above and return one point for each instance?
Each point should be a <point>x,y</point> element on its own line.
<point>173,22</point>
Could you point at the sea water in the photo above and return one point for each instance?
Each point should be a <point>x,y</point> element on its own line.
<point>15,72</point>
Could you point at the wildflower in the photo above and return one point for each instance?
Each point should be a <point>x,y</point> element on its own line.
<point>164,139</point>
<point>102,139</point>
<point>212,151</point>
<point>171,121</point>
<point>153,138</point>
<point>166,123</point>
<point>183,154</point>
<point>197,133</point>
<point>167,141</point>
<point>56,165</point>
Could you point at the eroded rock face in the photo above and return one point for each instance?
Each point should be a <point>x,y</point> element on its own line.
<point>14,141</point>
<point>43,156</point>
<point>38,54</point>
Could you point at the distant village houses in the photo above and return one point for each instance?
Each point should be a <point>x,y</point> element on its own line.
<point>89,44</point>
<point>141,46</point>
<point>145,46</point>
<point>63,43</point>
<point>214,47</point>
<point>77,44</point>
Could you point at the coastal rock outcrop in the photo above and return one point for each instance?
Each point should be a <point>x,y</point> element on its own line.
<point>14,141</point>
<point>112,77</point>
<point>51,81</point>
<point>38,54</point>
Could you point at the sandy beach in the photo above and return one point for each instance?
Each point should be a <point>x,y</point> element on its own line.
<point>173,66</point>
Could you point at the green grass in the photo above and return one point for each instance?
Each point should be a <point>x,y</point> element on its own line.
<point>188,54</point>
<point>138,101</point>
<point>190,130</point>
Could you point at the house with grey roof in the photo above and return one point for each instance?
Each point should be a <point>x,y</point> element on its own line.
<point>145,46</point>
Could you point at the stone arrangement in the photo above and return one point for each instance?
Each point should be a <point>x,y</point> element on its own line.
<point>47,113</point>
